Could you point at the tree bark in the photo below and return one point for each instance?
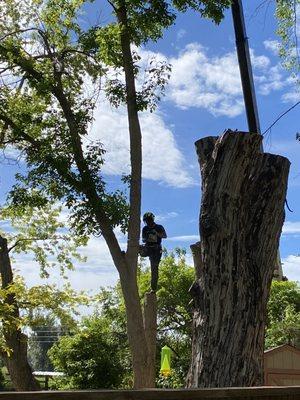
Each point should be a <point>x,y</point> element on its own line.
<point>141,328</point>
<point>242,213</point>
<point>16,362</point>
<point>135,329</point>
<point>150,326</point>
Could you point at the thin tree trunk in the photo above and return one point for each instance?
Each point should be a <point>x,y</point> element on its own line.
<point>242,213</point>
<point>142,334</point>
<point>16,360</point>
<point>150,326</point>
<point>135,328</point>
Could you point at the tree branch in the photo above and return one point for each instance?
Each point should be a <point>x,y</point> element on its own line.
<point>17,31</point>
<point>112,4</point>
<point>135,140</point>
<point>32,240</point>
<point>87,184</point>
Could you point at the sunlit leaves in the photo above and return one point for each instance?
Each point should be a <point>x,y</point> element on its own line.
<point>149,91</point>
<point>148,19</point>
<point>211,9</point>
<point>92,358</point>
<point>145,21</point>
<point>109,46</point>
<point>59,303</point>
<point>40,114</point>
<point>41,232</point>
<point>288,17</point>
<point>51,59</point>
<point>283,314</point>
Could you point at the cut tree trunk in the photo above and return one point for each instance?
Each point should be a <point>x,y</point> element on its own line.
<point>150,326</point>
<point>242,213</point>
<point>141,331</point>
<point>16,358</point>
<point>141,328</point>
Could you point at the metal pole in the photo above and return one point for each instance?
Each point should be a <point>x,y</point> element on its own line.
<point>245,66</point>
<point>247,79</point>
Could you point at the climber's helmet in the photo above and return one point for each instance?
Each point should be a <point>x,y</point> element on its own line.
<point>148,217</point>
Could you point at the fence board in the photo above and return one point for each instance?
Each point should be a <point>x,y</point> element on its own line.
<point>261,393</point>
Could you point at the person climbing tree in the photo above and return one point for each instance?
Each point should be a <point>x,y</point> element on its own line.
<point>152,235</point>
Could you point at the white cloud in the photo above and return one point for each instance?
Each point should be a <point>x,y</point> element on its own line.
<point>162,159</point>
<point>273,46</point>
<point>273,80</point>
<point>291,227</point>
<point>180,34</point>
<point>291,267</point>
<point>185,238</point>
<point>259,62</point>
<point>213,84</point>
<point>291,97</point>
<point>164,217</point>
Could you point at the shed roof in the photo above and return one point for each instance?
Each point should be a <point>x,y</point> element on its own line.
<point>283,347</point>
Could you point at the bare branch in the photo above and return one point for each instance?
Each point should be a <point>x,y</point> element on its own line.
<point>34,240</point>
<point>18,31</point>
<point>112,4</point>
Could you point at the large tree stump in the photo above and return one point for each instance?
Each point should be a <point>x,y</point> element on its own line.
<point>242,213</point>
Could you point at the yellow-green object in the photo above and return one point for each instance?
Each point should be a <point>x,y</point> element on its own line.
<point>165,368</point>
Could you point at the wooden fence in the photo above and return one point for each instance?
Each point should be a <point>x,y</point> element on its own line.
<point>260,393</point>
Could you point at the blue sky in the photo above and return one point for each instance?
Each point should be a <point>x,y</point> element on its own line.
<point>203,98</point>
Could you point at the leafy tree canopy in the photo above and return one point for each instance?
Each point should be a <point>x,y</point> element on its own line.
<point>108,324</point>
<point>147,19</point>
<point>283,314</point>
<point>288,17</point>
<point>47,63</point>
<point>52,73</point>
<point>173,298</point>
<point>174,321</point>
<point>91,358</point>
<point>45,111</point>
<point>40,232</point>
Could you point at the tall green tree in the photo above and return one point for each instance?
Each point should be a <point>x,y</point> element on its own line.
<point>91,358</point>
<point>38,233</point>
<point>80,354</point>
<point>45,57</point>
<point>283,314</point>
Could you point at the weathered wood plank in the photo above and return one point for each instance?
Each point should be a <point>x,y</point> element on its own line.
<point>260,393</point>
